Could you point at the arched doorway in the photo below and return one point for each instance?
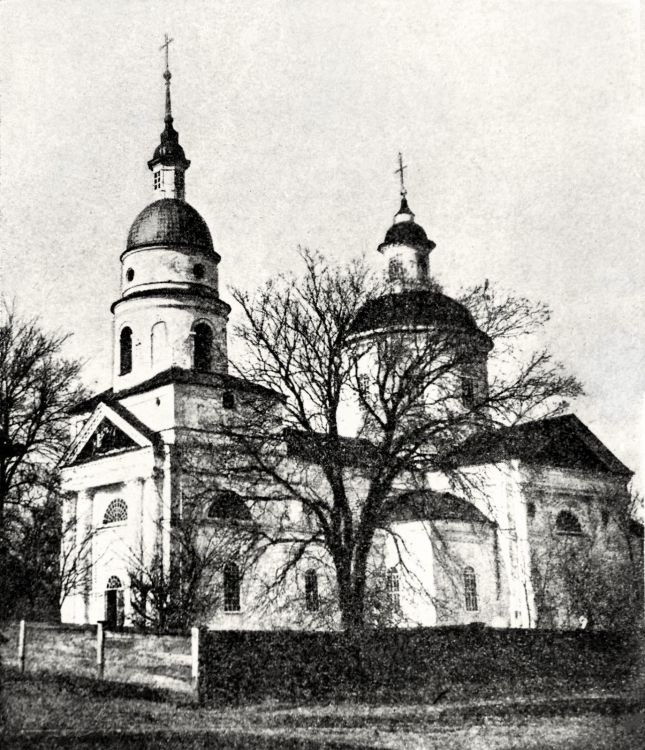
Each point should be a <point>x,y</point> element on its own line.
<point>114,609</point>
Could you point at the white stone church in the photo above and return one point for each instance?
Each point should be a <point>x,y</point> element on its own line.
<point>542,483</point>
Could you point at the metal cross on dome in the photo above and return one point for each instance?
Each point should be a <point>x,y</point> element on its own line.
<point>399,171</point>
<point>165,46</point>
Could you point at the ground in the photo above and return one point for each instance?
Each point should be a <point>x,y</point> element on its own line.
<point>45,711</point>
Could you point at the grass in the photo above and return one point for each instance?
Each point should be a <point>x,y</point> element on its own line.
<point>52,711</point>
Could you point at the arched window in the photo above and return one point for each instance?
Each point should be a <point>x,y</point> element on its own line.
<point>125,351</point>
<point>392,588</point>
<point>229,506</point>
<point>312,603</point>
<point>470,589</point>
<point>467,390</point>
<point>203,347</point>
<point>395,269</point>
<point>116,512</point>
<point>567,523</point>
<point>231,587</point>
<point>114,604</point>
<point>158,343</point>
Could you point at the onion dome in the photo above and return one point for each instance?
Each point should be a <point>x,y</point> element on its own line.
<point>170,222</point>
<point>405,231</point>
<point>417,308</point>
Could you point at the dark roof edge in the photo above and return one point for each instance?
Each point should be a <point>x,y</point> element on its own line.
<point>174,245</point>
<point>179,292</point>
<point>505,449</point>
<point>175,375</point>
<point>596,445</point>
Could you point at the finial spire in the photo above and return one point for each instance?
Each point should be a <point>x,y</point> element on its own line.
<point>404,213</point>
<point>399,171</point>
<point>167,75</point>
<point>169,153</point>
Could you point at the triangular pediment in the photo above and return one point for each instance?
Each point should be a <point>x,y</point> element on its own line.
<point>110,430</point>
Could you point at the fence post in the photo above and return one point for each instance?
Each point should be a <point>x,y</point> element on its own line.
<point>21,646</point>
<point>100,649</point>
<point>194,658</point>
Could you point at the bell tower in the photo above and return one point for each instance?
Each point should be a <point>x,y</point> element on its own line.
<point>169,313</point>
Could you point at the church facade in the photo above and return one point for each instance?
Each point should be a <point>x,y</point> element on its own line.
<point>541,488</point>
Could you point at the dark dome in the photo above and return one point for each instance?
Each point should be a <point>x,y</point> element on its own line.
<point>169,221</point>
<point>169,154</point>
<point>414,308</point>
<point>426,505</point>
<point>407,233</point>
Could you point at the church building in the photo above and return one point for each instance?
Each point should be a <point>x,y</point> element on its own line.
<point>483,558</point>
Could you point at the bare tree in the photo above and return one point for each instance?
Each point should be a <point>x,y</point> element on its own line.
<point>207,529</point>
<point>591,575</point>
<point>302,341</point>
<point>37,386</point>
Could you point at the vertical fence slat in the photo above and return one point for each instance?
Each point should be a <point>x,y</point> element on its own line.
<point>21,646</point>
<point>194,658</point>
<point>100,650</point>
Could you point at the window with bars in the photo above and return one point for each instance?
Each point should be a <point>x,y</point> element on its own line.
<point>470,590</point>
<point>392,589</point>
<point>116,512</point>
<point>312,602</point>
<point>157,180</point>
<point>232,579</point>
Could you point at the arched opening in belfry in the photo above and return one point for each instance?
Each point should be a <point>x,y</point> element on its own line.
<point>202,347</point>
<point>125,351</point>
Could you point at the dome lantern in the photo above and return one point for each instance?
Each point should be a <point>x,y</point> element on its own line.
<point>406,247</point>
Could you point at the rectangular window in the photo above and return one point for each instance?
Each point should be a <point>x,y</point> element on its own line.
<point>312,602</point>
<point>392,588</point>
<point>467,391</point>
<point>232,580</point>
<point>157,180</point>
<point>470,590</point>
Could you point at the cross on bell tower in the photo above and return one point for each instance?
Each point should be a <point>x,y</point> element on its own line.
<point>399,171</point>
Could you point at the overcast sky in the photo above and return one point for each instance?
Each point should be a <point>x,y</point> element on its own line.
<point>519,121</point>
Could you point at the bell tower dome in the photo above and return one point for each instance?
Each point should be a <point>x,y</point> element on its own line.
<point>169,313</point>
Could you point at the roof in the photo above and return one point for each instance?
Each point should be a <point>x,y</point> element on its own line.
<point>407,233</point>
<point>558,441</point>
<point>316,446</point>
<point>427,505</point>
<point>175,375</point>
<point>169,222</point>
<point>169,152</point>
<point>422,307</point>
